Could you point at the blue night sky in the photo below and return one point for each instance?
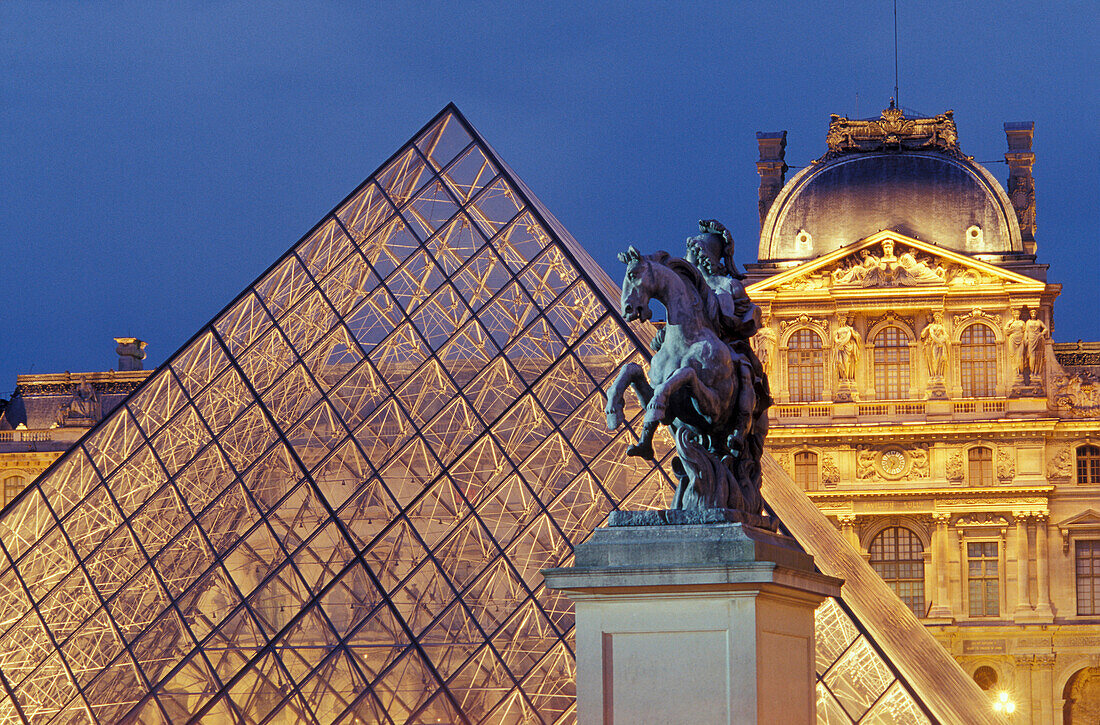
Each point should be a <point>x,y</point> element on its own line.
<point>157,156</point>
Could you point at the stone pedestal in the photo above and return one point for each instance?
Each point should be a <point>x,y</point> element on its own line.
<point>846,392</point>
<point>937,390</point>
<point>709,623</point>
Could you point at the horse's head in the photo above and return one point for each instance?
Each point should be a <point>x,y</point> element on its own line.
<point>637,285</point>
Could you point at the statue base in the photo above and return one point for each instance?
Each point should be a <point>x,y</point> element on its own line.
<point>936,390</point>
<point>710,623</point>
<point>1029,390</point>
<point>687,517</point>
<point>846,392</point>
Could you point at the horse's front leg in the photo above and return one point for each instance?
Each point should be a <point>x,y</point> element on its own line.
<point>656,410</point>
<point>630,374</point>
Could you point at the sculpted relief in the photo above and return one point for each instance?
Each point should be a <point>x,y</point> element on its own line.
<point>889,265</point>
<point>1077,394</point>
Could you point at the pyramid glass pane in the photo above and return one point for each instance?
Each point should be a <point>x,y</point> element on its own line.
<point>333,504</point>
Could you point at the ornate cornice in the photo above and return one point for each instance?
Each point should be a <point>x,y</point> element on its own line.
<point>106,383</point>
<point>1025,495</point>
<point>1077,359</point>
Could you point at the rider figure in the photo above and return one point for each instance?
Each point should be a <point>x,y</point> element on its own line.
<point>712,254</point>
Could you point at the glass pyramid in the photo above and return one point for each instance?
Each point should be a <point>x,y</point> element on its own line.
<point>334,502</point>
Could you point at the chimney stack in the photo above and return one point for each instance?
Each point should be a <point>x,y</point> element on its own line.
<point>1021,184</point>
<point>131,353</point>
<point>771,167</point>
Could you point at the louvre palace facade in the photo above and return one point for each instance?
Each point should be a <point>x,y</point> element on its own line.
<point>922,405</point>
<point>334,502</point>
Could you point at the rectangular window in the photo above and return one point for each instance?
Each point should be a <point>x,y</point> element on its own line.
<point>12,487</point>
<point>1088,577</point>
<point>983,578</point>
<point>981,466</point>
<point>805,470</point>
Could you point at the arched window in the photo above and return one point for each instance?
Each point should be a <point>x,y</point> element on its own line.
<point>898,557</point>
<point>1088,464</point>
<point>805,470</point>
<point>12,486</point>
<point>891,364</point>
<point>978,361</point>
<point>981,466</point>
<point>1082,696</point>
<point>805,367</point>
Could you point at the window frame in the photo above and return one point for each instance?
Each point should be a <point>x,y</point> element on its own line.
<point>916,604</point>
<point>1093,577</point>
<point>995,579</point>
<point>810,463</point>
<point>1089,455</point>
<point>898,370</point>
<point>979,480</point>
<point>978,362</point>
<point>814,367</point>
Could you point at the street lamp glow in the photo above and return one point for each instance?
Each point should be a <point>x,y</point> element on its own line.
<point>1003,704</point>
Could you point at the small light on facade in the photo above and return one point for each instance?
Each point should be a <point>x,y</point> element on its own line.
<point>1003,704</point>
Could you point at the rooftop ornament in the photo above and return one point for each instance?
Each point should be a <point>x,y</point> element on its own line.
<point>705,383</point>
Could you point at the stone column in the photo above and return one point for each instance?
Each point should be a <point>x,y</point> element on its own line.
<point>848,530</point>
<point>699,623</point>
<point>1023,601</point>
<point>964,575</point>
<point>1042,567</point>
<point>942,608</point>
<point>1043,683</point>
<point>1022,689</point>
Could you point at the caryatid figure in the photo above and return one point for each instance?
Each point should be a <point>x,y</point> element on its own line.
<point>846,350</point>
<point>934,337</point>
<point>762,343</point>
<point>1014,339</point>
<point>1035,335</point>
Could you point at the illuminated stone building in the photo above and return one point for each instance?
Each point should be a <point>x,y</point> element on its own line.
<point>922,405</point>
<point>48,413</point>
<point>334,502</point>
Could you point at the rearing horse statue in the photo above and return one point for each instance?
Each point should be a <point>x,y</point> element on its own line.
<point>703,387</point>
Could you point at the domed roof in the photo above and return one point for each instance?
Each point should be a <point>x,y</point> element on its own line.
<point>905,175</point>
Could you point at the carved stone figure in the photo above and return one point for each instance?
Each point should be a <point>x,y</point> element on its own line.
<point>830,474</point>
<point>763,343</point>
<point>1035,336</point>
<point>1060,464</point>
<point>911,271</point>
<point>704,382</point>
<point>846,350</point>
<point>865,464</point>
<point>954,468</point>
<point>934,337</point>
<point>1005,466</point>
<point>1014,340</point>
<point>864,274</point>
<point>919,466</point>
<point>83,408</point>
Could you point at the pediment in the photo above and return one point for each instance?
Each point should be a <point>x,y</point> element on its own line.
<point>889,259</point>
<point>1086,520</point>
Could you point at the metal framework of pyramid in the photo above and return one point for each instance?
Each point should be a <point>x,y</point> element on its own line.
<point>334,502</point>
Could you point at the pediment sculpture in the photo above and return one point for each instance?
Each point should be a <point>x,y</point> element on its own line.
<point>889,264</point>
<point>887,270</point>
